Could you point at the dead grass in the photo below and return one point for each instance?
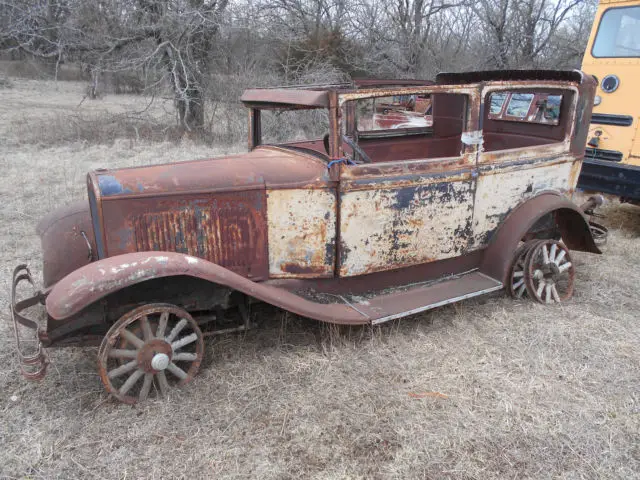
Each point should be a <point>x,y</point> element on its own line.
<point>531,391</point>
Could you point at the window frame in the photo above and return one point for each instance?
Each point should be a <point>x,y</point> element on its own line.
<point>595,37</point>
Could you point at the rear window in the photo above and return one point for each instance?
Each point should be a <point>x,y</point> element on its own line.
<point>530,107</point>
<point>618,33</point>
<point>519,104</point>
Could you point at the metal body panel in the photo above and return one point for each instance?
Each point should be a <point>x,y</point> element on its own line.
<point>67,240</point>
<point>501,189</point>
<point>226,228</point>
<point>302,232</point>
<point>383,228</point>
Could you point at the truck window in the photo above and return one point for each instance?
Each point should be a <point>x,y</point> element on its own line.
<point>407,127</point>
<point>526,107</point>
<point>404,113</point>
<point>618,33</point>
<point>529,118</point>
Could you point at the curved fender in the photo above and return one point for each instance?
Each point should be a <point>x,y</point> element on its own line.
<point>92,282</point>
<point>570,220</point>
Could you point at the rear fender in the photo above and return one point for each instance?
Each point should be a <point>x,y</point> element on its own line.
<point>570,220</point>
<point>89,284</point>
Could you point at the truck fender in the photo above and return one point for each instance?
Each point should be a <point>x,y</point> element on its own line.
<point>90,283</point>
<point>570,220</point>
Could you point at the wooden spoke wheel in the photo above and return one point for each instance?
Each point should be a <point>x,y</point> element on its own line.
<point>549,272</point>
<point>516,284</point>
<point>150,350</point>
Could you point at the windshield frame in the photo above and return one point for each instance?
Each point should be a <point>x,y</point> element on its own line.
<point>595,37</point>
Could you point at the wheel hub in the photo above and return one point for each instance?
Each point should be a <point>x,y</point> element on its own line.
<point>155,356</point>
<point>160,361</point>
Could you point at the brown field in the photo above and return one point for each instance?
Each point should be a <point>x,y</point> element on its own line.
<point>491,388</point>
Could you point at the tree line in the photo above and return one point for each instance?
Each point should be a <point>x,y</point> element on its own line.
<point>206,51</point>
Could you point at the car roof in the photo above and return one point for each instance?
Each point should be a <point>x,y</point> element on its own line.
<point>317,96</point>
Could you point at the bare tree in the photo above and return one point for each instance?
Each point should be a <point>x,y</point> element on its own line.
<point>174,36</point>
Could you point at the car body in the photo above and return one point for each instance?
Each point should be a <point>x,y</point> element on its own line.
<point>360,227</point>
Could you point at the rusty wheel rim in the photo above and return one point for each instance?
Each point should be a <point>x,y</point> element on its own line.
<point>549,272</point>
<point>150,350</point>
<point>516,284</point>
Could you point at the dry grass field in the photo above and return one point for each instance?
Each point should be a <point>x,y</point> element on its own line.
<point>524,391</point>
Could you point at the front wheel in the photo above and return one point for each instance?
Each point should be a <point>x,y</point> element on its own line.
<point>149,351</point>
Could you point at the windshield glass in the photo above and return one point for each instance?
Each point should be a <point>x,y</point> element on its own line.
<point>618,34</point>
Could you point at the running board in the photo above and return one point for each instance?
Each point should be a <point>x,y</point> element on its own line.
<point>418,299</point>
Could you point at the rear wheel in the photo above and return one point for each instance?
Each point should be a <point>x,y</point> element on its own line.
<point>148,351</point>
<point>516,286</point>
<point>549,272</point>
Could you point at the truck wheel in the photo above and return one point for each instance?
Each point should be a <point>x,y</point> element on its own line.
<point>516,286</point>
<point>549,272</point>
<point>157,345</point>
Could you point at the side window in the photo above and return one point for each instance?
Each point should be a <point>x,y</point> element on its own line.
<point>529,107</point>
<point>400,113</point>
<point>405,126</point>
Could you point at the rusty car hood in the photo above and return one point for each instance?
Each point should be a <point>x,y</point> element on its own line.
<point>264,167</point>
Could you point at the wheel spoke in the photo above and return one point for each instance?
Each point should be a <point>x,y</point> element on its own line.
<point>518,283</point>
<point>538,275</point>
<point>119,353</point>
<point>184,341</point>
<point>518,273</point>
<point>122,369</point>
<point>131,381</point>
<point>177,371</point>
<point>552,253</point>
<point>554,291</point>
<point>547,293</point>
<point>521,290</point>
<point>184,356</point>
<point>163,385</point>
<point>564,267</point>
<point>540,289</point>
<point>132,338</point>
<point>560,257</point>
<point>146,386</point>
<point>176,330</point>
<point>147,334</point>
<point>162,326</point>
<point>545,254</point>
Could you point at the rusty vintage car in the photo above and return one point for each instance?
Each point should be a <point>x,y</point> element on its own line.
<point>358,227</point>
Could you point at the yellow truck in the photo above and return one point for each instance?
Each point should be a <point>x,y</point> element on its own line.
<point>612,157</point>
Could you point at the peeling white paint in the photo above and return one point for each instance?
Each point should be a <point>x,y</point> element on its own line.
<point>383,229</point>
<point>499,192</point>
<point>302,228</point>
<point>191,260</point>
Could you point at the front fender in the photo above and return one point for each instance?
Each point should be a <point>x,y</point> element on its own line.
<point>92,282</point>
<point>570,220</point>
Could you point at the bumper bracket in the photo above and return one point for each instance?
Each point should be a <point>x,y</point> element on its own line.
<point>33,365</point>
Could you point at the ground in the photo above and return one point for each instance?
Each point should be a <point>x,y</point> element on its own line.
<point>488,388</point>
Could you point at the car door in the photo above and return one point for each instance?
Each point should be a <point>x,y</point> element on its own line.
<point>413,203</point>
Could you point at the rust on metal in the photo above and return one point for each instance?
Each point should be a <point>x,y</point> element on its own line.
<point>302,226</point>
<point>424,207</point>
<point>64,234</point>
